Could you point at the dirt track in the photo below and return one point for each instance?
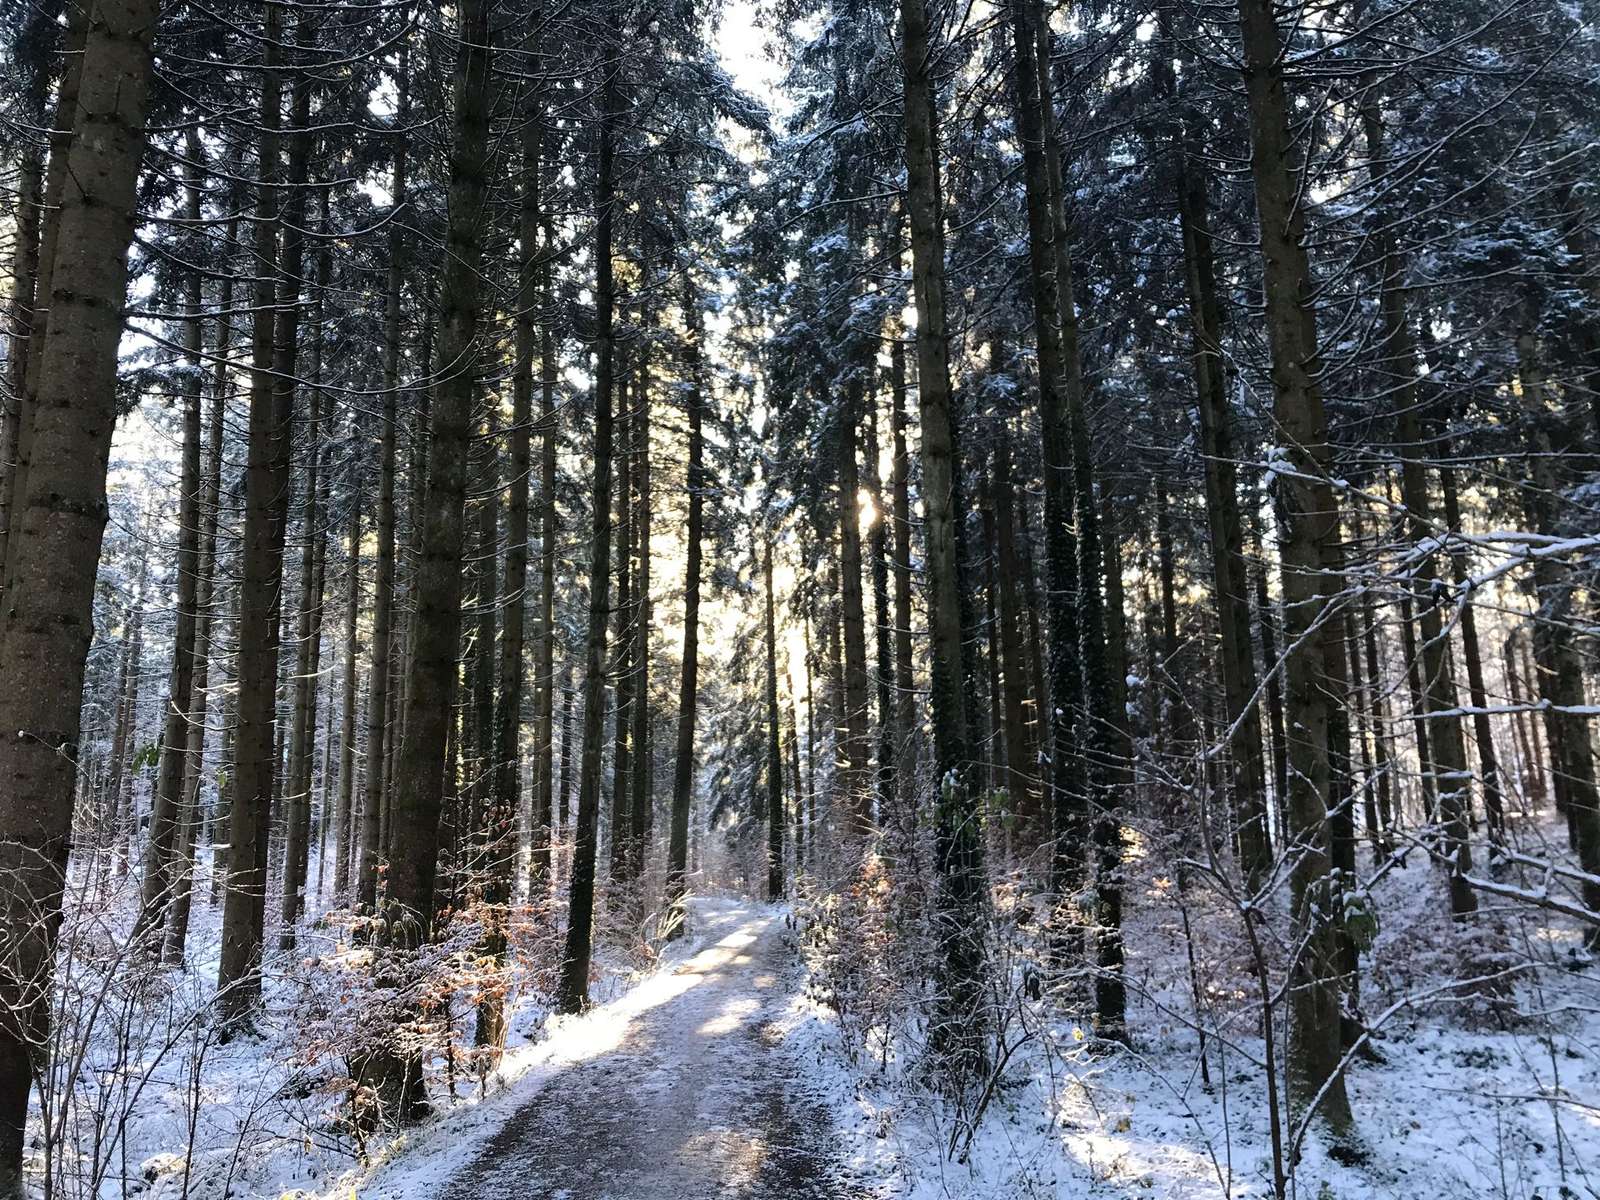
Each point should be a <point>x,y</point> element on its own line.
<point>699,1101</point>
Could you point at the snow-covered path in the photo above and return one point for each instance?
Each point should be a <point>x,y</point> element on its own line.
<point>694,1097</point>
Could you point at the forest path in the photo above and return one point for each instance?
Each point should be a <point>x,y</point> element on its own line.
<point>697,1098</point>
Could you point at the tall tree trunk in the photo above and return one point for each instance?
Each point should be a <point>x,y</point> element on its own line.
<point>502,840</point>
<point>958,1034</point>
<point>544,735</point>
<point>573,989</point>
<point>1229,579</point>
<point>1098,740</point>
<point>883,631</point>
<point>379,717</point>
<point>308,627</point>
<point>643,780</point>
<point>900,498</point>
<point>1451,777</point>
<point>1383,752</point>
<point>1477,691</point>
<point>119,833</point>
<point>622,651</point>
<point>1559,668</point>
<point>1271,668</point>
<point>345,841</point>
<point>1414,690</point>
<point>1020,769</point>
<point>166,817</point>
<point>809,818</point>
<point>1066,797</point>
<point>478,828</point>
<point>396,1075</point>
<point>1312,571</point>
<point>206,599</point>
<point>272,388</point>
<point>47,620</point>
<point>855,740</point>
<point>688,681</point>
<point>38,35</point>
<point>25,402</point>
<point>775,812</point>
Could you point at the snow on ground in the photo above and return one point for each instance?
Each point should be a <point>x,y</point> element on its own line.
<point>443,1152</point>
<point>1489,1093</point>
<point>1492,1092</point>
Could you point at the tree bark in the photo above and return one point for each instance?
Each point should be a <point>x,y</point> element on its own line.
<point>775,812</point>
<point>958,1032</point>
<point>308,629</point>
<point>622,651</point>
<point>166,817</point>
<point>436,623</point>
<point>643,780</point>
<point>573,988</point>
<point>1230,583</point>
<point>1066,797</point>
<point>544,735</point>
<point>345,841</point>
<point>272,389</point>
<point>1452,780</point>
<point>47,619</point>
<point>688,682</point>
<point>502,840</point>
<point>1312,571</point>
<point>207,597</point>
<point>379,717</point>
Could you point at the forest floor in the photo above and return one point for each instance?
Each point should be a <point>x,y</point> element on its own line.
<point>686,1087</point>
<point>713,1071</point>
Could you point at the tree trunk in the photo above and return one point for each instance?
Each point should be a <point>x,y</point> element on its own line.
<point>1230,582</point>
<point>502,840</point>
<point>25,402</point>
<point>1383,752</point>
<point>308,631</point>
<point>573,989</point>
<point>166,817</point>
<point>272,388</point>
<point>30,220</point>
<point>1021,770</point>
<point>1066,798</point>
<point>1451,777</point>
<point>345,841</point>
<point>900,493</point>
<point>775,813</point>
<point>1477,691</point>
<point>1312,572</point>
<point>688,683</point>
<point>1098,740</point>
<point>622,651</point>
<point>177,932</point>
<point>855,748</point>
<point>883,631</point>
<point>1559,668</point>
<point>958,1033</point>
<point>643,780</point>
<point>544,718</point>
<point>379,717</point>
<point>1271,668</point>
<point>47,620</point>
<point>797,789</point>
<point>436,623</point>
